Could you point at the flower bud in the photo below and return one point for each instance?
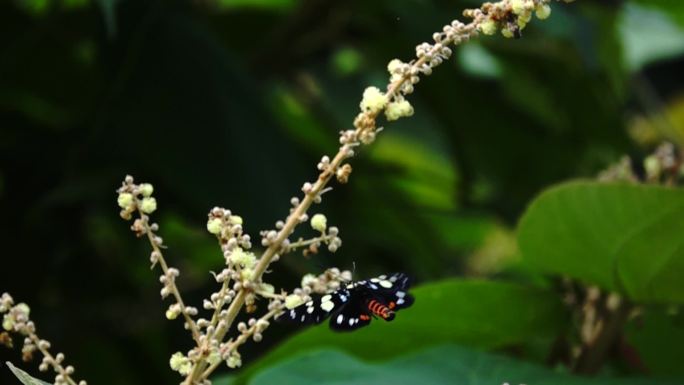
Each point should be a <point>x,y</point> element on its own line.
<point>146,189</point>
<point>148,205</point>
<point>125,200</point>
<point>319,222</point>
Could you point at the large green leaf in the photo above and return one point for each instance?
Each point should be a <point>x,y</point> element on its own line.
<point>674,9</point>
<point>476,313</point>
<point>658,337</point>
<point>619,236</point>
<point>649,35</point>
<point>436,366</point>
<point>24,377</point>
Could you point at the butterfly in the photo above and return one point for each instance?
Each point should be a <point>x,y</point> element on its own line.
<point>355,304</point>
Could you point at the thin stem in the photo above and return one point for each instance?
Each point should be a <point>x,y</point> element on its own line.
<point>303,243</point>
<point>217,311</point>
<point>165,268</point>
<point>242,338</point>
<point>51,359</point>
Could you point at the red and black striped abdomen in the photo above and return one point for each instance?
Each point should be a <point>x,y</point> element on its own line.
<point>380,310</point>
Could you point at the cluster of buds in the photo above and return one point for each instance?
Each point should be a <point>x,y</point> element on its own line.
<point>240,262</point>
<point>168,281</point>
<point>16,319</point>
<point>663,166</point>
<point>329,280</point>
<point>180,363</point>
<point>343,172</point>
<point>133,197</point>
<point>510,17</point>
<point>622,171</point>
<point>228,228</point>
<point>329,236</point>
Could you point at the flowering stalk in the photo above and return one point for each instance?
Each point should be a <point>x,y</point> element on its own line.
<point>139,199</point>
<point>16,319</point>
<point>241,279</point>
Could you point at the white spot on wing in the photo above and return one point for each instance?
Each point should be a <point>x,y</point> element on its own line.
<point>373,286</point>
<point>343,298</point>
<point>327,306</point>
<point>375,280</point>
<point>293,313</point>
<point>352,321</point>
<point>310,309</point>
<point>326,298</point>
<point>340,318</point>
<point>303,318</point>
<point>400,301</point>
<point>400,294</point>
<point>386,284</point>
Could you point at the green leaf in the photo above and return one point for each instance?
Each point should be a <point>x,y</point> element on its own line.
<point>658,337</point>
<point>674,9</point>
<point>621,237</point>
<point>24,377</point>
<point>439,365</point>
<point>423,174</point>
<point>476,60</point>
<point>476,313</point>
<point>649,35</point>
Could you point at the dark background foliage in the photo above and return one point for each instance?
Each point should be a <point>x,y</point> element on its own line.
<point>232,103</point>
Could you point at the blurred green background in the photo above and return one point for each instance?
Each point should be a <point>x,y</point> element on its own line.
<point>232,103</point>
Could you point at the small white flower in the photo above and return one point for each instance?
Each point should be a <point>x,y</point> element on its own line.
<point>247,274</point>
<point>148,205</point>
<point>396,110</point>
<point>7,323</point>
<point>519,6</point>
<point>125,200</point>
<point>267,288</point>
<point>242,258</point>
<point>173,312</point>
<point>308,280</point>
<point>373,100</point>
<point>652,167</point>
<point>214,225</point>
<point>319,222</point>
<point>180,363</point>
<point>146,189</point>
<point>214,357</point>
<point>293,300</point>
<point>488,27</point>
<point>236,219</point>
<point>395,66</point>
<point>23,308</point>
<point>543,11</point>
<point>234,361</point>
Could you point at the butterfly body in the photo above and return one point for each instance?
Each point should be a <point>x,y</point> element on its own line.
<point>354,305</point>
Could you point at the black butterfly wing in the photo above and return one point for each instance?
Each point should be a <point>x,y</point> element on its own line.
<point>386,284</point>
<point>399,299</point>
<point>390,290</point>
<point>352,316</point>
<point>318,309</point>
